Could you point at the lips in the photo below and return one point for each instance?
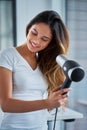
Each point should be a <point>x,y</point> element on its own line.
<point>34,45</point>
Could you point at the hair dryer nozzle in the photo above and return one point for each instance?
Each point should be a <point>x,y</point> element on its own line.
<point>76,74</point>
<point>61,59</point>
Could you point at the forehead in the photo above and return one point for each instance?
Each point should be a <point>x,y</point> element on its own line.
<point>42,28</point>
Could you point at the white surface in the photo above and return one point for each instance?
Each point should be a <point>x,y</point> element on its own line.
<point>83,102</point>
<point>67,114</point>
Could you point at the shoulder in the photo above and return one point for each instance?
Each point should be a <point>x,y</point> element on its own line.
<point>7,58</point>
<point>7,51</point>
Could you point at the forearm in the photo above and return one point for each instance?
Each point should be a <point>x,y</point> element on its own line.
<point>20,106</point>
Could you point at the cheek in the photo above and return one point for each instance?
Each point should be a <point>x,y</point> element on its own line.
<point>45,45</point>
<point>28,36</point>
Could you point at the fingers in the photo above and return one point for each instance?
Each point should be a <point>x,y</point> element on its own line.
<point>63,91</point>
<point>63,102</point>
<point>58,97</point>
<point>57,88</point>
<point>62,98</point>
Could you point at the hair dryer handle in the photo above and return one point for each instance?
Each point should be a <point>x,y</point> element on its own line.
<point>66,84</point>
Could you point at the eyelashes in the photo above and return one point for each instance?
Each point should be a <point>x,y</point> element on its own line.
<point>45,39</point>
<point>34,33</point>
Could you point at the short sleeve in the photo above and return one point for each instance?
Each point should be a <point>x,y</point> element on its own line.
<point>6,59</point>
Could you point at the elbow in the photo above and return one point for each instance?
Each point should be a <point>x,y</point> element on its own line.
<point>5,107</point>
<point>3,110</point>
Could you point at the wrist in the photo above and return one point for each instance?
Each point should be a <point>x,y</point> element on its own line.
<point>47,104</point>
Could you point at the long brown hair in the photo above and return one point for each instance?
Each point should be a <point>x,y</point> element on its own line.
<point>58,45</point>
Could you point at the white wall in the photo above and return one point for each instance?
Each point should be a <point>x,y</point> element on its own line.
<point>27,9</point>
<point>59,6</point>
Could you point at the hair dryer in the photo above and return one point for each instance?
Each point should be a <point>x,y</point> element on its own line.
<point>72,70</point>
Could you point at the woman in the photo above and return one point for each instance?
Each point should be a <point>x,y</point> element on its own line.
<point>30,78</point>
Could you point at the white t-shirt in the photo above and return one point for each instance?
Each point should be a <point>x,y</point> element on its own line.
<point>28,84</point>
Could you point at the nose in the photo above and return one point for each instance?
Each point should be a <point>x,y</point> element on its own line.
<point>37,41</point>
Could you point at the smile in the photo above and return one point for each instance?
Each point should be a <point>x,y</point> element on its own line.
<point>34,45</point>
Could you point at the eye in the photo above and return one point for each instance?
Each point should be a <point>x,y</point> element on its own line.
<point>45,39</point>
<point>34,33</point>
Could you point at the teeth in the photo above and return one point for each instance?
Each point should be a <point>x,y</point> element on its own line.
<point>33,44</point>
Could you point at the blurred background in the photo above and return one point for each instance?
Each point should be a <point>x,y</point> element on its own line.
<point>14,17</point>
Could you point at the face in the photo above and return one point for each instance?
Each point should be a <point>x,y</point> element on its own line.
<point>39,37</point>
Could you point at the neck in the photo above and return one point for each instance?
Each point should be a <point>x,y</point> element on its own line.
<point>27,52</point>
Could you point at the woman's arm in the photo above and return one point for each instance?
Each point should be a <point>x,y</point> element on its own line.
<point>8,104</point>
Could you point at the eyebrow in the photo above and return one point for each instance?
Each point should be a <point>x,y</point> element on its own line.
<point>43,36</point>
